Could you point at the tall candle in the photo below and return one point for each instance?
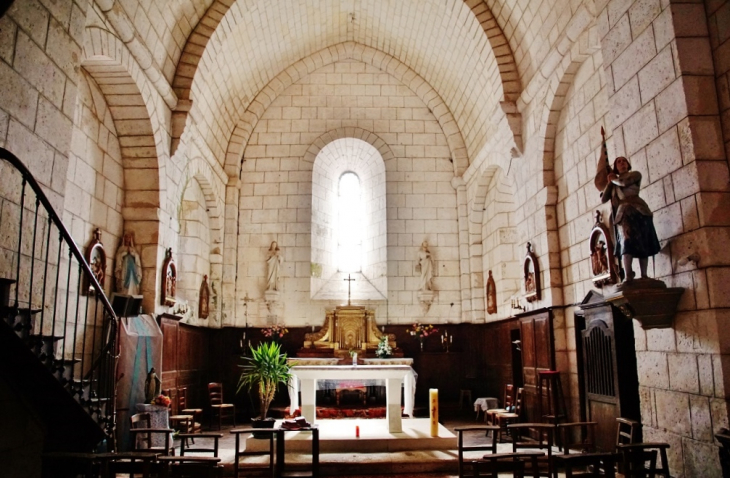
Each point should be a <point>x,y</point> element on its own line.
<point>357,431</point>
<point>433,394</point>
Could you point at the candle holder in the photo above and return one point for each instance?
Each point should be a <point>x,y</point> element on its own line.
<point>516,304</point>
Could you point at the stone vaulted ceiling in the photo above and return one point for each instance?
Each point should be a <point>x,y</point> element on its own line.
<point>442,41</point>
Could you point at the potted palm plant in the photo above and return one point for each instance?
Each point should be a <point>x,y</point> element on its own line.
<point>265,369</point>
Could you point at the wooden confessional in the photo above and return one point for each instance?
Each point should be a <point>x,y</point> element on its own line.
<point>608,379</point>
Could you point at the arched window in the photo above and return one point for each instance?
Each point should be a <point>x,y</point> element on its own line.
<point>349,224</point>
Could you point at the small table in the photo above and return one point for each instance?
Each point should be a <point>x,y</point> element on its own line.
<point>485,403</point>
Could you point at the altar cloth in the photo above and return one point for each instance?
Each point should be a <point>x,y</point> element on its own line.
<point>305,378</point>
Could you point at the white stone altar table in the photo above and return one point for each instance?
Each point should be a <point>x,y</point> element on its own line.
<point>395,376</point>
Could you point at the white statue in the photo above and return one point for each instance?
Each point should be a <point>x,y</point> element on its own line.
<point>425,263</point>
<point>128,267</point>
<point>274,262</point>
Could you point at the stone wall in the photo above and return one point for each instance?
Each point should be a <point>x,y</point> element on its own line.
<point>275,199</point>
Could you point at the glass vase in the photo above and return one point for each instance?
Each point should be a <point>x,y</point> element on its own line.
<point>420,340</point>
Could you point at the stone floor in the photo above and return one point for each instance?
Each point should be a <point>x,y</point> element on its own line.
<point>408,463</point>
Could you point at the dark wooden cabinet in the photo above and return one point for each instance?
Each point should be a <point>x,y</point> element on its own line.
<point>607,368</point>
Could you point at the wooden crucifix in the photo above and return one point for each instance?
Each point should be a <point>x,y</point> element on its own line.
<point>349,280</point>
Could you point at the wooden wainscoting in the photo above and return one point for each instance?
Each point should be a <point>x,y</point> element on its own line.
<point>185,359</point>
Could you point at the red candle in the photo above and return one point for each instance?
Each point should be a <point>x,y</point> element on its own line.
<point>357,431</point>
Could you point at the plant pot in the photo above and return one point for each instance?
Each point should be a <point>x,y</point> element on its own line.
<point>262,423</point>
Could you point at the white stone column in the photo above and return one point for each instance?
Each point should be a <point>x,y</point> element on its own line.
<point>464,250</point>
<point>228,300</point>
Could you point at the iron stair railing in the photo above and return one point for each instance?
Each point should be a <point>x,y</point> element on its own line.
<point>73,332</point>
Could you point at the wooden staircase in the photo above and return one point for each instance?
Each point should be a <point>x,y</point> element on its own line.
<point>58,342</point>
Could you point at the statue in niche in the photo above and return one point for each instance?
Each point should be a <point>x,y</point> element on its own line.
<point>96,258</point>
<point>203,299</point>
<point>273,265</point>
<point>599,259</point>
<point>169,279</point>
<point>531,270</point>
<point>128,267</point>
<point>491,295</point>
<point>632,218</point>
<point>425,266</point>
<point>603,264</point>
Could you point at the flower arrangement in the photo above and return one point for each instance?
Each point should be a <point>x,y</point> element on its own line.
<point>162,401</point>
<point>421,331</point>
<point>384,349</point>
<point>275,331</point>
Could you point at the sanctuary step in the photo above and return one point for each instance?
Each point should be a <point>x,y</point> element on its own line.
<point>375,452</point>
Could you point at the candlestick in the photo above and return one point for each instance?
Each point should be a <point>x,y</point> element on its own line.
<point>433,394</point>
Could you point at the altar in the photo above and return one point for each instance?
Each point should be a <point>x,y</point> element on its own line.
<point>305,377</point>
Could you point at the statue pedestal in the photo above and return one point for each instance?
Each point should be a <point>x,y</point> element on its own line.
<point>649,301</point>
<point>425,296</point>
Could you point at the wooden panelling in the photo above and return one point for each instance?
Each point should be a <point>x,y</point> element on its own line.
<point>185,359</point>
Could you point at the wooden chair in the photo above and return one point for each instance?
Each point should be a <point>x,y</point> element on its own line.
<point>580,437</point>
<point>186,448</point>
<point>218,406</point>
<point>639,459</point>
<point>142,434</point>
<point>507,403</point>
<point>178,421</point>
<point>544,440</point>
<point>503,419</point>
<point>587,464</point>
<point>483,430</point>
<point>627,431</point>
<point>184,419</point>
<point>184,408</point>
<point>499,463</point>
<point>239,453</point>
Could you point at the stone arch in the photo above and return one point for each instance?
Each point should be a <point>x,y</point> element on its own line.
<point>511,85</point>
<point>558,86</point>
<point>348,132</point>
<point>140,134</point>
<point>198,40</point>
<point>335,53</point>
<point>201,241</point>
<point>326,155</point>
<point>199,170</point>
<point>492,226</point>
<point>547,199</point>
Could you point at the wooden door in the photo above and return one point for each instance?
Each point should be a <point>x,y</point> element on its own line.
<point>536,331</point>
